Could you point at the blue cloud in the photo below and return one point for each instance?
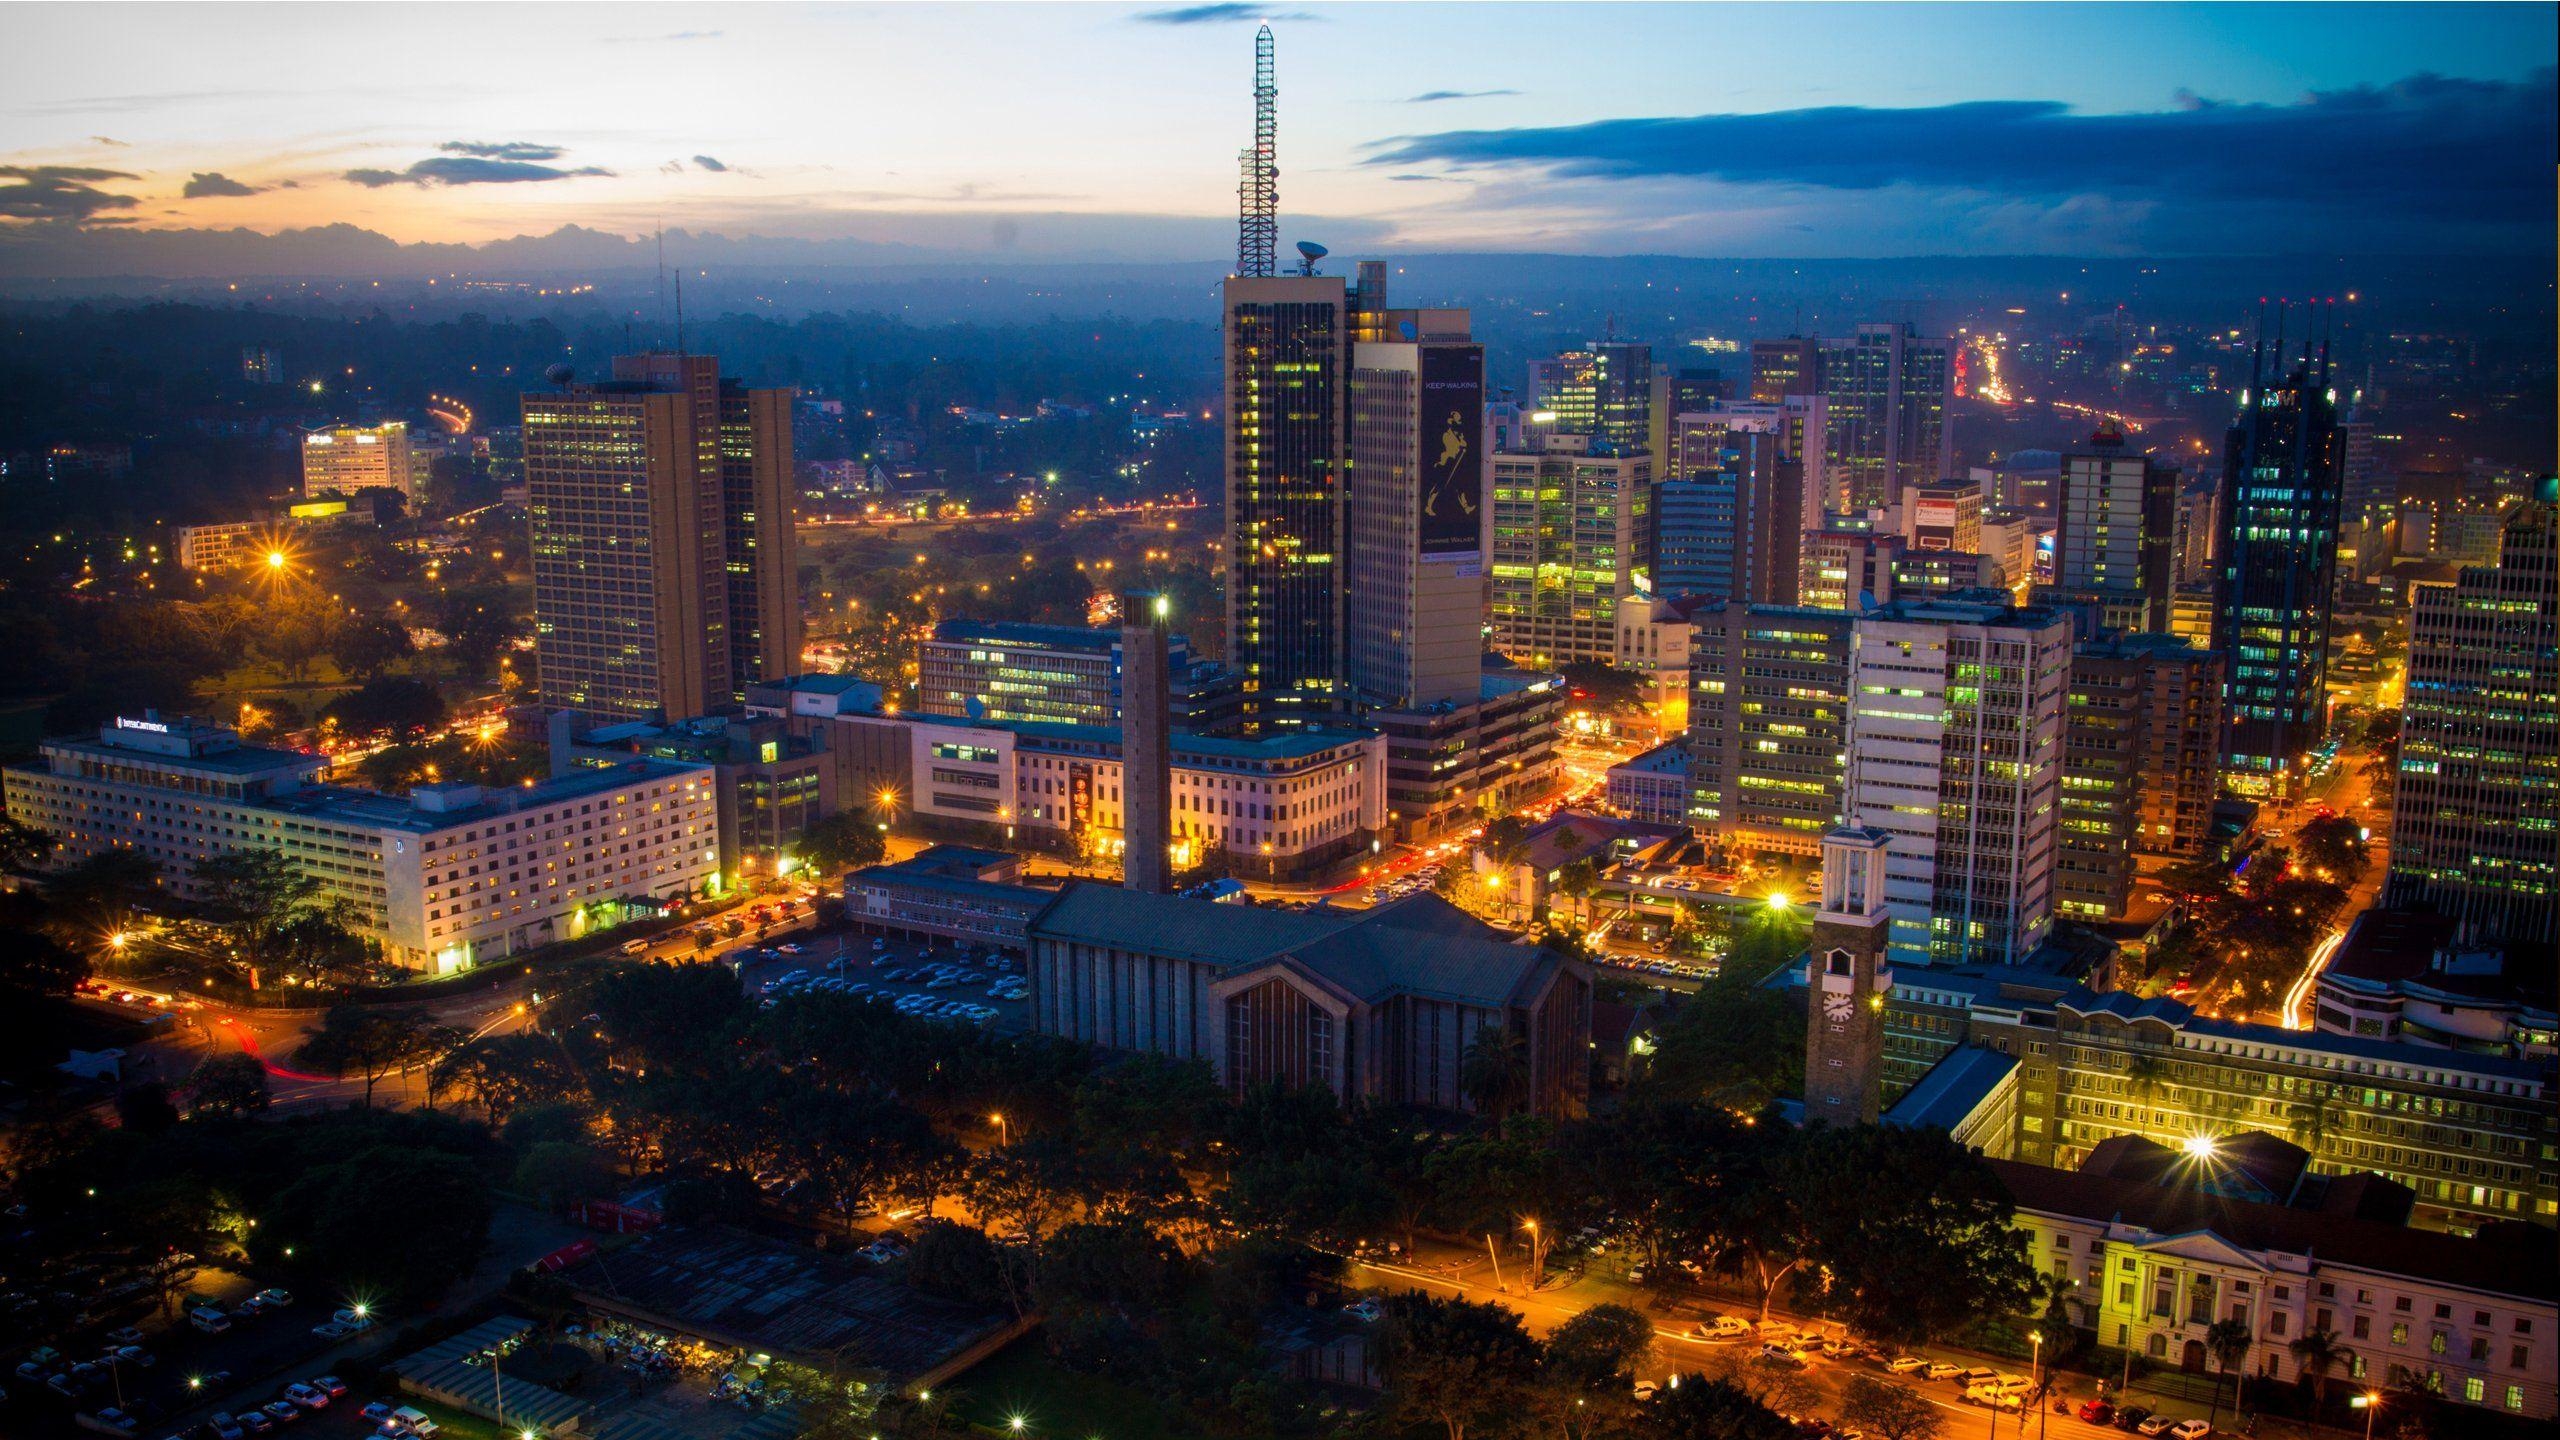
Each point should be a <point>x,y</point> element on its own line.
<point>468,170</point>
<point>1220,14</point>
<point>707,163</point>
<point>502,149</point>
<point>1429,97</point>
<point>208,184</point>
<point>2483,148</point>
<point>61,192</point>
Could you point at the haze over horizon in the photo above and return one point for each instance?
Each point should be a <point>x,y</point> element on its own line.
<point>186,141</point>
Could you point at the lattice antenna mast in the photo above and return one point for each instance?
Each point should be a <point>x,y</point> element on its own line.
<point>1258,195</point>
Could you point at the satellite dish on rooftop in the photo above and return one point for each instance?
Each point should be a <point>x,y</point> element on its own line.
<point>1309,252</point>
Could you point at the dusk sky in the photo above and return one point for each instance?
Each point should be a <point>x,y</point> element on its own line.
<point>1693,129</point>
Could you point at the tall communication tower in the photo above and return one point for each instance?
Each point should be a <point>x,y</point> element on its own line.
<point>1258,196</point>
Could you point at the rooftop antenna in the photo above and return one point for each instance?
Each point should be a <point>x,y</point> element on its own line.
<point>1258,193</point>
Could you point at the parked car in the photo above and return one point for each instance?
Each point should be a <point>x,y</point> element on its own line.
<point>377,1412</point>
<point>129,1335</point>
<point>1905,1364</point>
<point>2098,1412</point>
<point>2190,1430</point>
<point>1366,1311</point>
<point>283,1412</point>
<point>306,1396</point>
<point>331,1386</point>
<point>224,1427</point>
<point>2153,1425</point>
<point>1941,1370</point>
<point>1781,1355</point>
<point>275,1299</point>
<point>2131,1417</point>
<point>1717,1329</point>
<point>1994,1397</point>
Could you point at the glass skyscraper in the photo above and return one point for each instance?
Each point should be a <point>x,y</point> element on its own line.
<point>2282,468</point>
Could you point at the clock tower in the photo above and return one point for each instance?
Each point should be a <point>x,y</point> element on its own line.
<point>1846,981</point>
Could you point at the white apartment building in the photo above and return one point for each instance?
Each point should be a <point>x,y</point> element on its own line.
<point>1955,750</point>
<point>444,878</point>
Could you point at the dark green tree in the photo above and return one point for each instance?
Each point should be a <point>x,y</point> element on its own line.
<point>1464,1367</point>
<point>1890,1411</point>
<point>847,841</point>
<point>227,1085</point>
<point>1693,1407</point>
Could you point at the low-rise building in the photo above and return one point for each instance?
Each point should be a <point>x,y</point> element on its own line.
<point>1380,1004</point>
<point>2408,975</point>
<point>2154,1245</point>
<point>1654,786</point>
<point>772,784</point>
<point>951,893</point>
<point>2472,1135</point>
<point>1450,766</point>
<point>443,878</point>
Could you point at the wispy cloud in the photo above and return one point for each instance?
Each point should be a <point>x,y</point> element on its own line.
<point>502,149</point>
<point>1221,14</point>
<point>707,163</point>
<point>111,142</point>
<point>1431,97</point>
<point>210,184</point>
<point>2485,148</point>
<point>468,170</point>
<point>60,192</point>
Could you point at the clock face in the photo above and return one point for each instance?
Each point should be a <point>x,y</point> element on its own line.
<point>1837,1006</point>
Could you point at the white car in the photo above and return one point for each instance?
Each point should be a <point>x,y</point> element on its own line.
<point>1718,1330</point>
<point>2191,1429</point>
<point>1905,1364</point>
<point>1365,1311</point>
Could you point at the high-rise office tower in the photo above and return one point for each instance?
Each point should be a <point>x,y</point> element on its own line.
<point>1414,623</point>
<point>663,559</point>
<point>2116,532</point>
<point>1887,390</point>
<point>2281,470</point>
<point>2194,534</point>
<point>1604,393</point>
<point>2138,755</point>
<point>2475,822</point>
<point>1288,342</point>
<point>1146,741</point>
<point>1570,526</point>
<point>1677,391</point>
<point>1768,724</point>
<point>1846,981</point>
<point>349,458</point>
<point>1781,368</point>
<point>1955,745</point>
<point>1732,502</point>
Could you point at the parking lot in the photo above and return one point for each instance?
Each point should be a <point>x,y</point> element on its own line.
<point>965,985</point>
<point>136,1374</point>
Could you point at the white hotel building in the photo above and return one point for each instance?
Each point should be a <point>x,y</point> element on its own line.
<point>444,878</point>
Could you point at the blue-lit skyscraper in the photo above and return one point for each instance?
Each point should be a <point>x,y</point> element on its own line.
<point>2283,466</point>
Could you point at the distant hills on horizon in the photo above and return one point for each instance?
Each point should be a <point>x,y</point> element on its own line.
<point>331,263</point>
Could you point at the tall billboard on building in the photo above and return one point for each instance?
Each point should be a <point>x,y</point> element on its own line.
<point>1450,462</point>
<point>1079,799</point>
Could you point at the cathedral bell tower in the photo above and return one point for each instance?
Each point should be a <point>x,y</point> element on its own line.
<point>1846,981</point>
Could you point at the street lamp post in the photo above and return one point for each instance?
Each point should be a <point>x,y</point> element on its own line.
<point>2370,1402</point>
<point>2036,1338</point>
<point>498,1380</point>
<point>1004,1130</point>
